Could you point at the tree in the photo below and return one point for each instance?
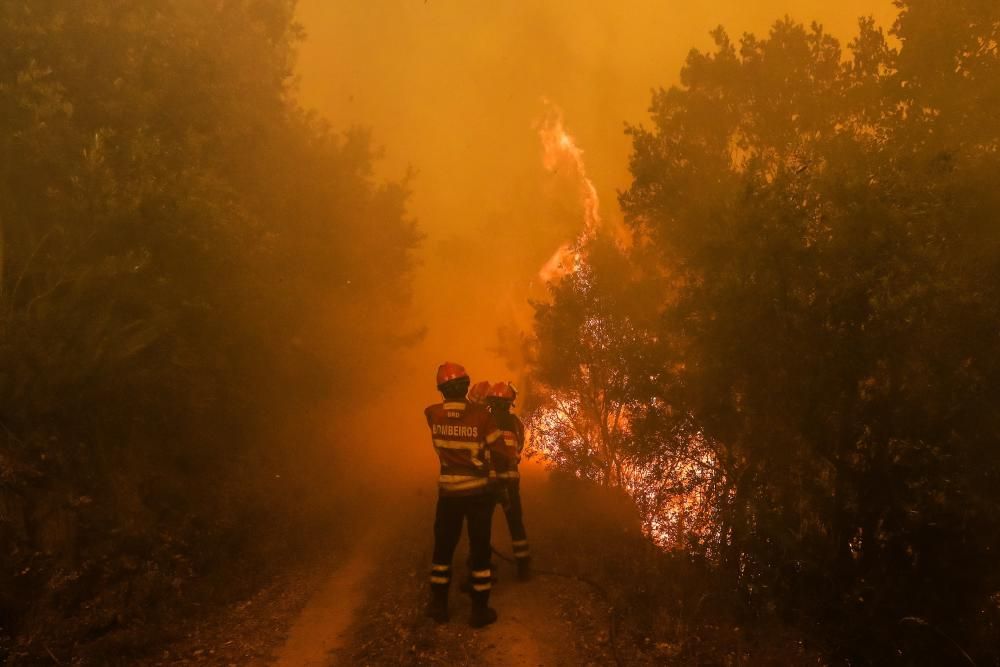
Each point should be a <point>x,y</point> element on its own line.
<point>190,262</point>
<point>820,234</point>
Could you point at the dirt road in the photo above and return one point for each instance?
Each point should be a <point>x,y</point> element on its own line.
<point>370,610</point>
<point>323,625</point>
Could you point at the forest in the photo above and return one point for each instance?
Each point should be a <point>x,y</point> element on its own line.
<point>191,266</point>
<point>793,367</point>
<point>787,361</point>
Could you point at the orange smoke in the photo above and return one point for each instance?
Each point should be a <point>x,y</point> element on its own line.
<point>562,155</point>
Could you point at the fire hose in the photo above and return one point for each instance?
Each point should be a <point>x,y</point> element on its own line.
<point>612,617</point>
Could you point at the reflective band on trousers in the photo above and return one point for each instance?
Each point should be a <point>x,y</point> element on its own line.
<point>461,482</point>
<point>440,574</point>
<point>512,474</point>
<point>482,580</point>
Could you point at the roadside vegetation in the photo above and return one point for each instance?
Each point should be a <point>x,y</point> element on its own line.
<point>772,412</point>
<point>793,368</point>
<point>191,267</point>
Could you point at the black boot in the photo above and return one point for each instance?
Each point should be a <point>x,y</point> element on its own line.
<point>524,569</point>
<point>482,613</point>
<point>437,607</point>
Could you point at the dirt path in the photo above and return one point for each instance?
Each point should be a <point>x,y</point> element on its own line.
<point>370,610</point>
<point>532,629</point>
<point>322,626</point>
<point>513,639</point>
<point>364,606</point>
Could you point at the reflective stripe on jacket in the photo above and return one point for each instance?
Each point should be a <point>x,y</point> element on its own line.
<point>505,462</point>
<point>462,434</point>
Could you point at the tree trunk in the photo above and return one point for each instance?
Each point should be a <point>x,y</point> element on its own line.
<point>2,248</point>
<point>3,238</point>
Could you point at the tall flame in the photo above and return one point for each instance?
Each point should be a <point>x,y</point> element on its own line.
<point>562,154</point>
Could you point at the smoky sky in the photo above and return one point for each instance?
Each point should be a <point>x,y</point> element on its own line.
<point>455,90</point>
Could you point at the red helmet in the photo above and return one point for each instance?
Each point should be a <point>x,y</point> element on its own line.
<point>503,391</point>
<point>478,392</point>
<point>449,371</point>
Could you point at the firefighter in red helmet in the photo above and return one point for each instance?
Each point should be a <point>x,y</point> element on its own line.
<point>463,433</point>
<point>477,394</point>
<point>501,399</point>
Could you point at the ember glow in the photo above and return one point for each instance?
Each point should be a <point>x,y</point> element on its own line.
<point>678,496</point>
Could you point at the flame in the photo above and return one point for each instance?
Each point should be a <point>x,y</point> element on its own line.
<point>678,496</point>
<point>562,154</point>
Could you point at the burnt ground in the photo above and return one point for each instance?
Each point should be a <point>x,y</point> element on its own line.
<point>249,631</point>
<point>555,619</point>
<point>547,621</point>
<point>365,605</point>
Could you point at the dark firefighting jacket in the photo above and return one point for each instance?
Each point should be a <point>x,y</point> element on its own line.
<point>464,435</point>
<point>505,461</point>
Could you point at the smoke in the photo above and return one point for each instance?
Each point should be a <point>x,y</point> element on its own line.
<point>452,89</point>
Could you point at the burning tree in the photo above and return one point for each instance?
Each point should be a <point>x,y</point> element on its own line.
<point>597,408</point>
<point>584,423</point>
<point>804,339</point>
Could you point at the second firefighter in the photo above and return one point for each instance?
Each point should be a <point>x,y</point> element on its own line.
<point>500,399</point>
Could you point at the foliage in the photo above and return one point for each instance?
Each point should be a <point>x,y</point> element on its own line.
<point>594,407</point>
<point>188,263</point>
<point>820,235</point>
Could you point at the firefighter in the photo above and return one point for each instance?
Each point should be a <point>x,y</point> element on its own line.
<point>501,399</point>
<point>477,394</point>
<point>463,434</point>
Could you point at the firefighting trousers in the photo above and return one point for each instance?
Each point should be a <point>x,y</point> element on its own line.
<point>452,511</point>
<point>515,519</point>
